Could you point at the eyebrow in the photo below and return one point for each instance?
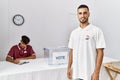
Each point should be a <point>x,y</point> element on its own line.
<point>82,12</point>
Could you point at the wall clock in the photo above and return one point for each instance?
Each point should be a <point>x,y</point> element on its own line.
<point>18,20</point>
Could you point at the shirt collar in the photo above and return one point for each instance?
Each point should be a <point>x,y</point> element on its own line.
<point>86,28</point>
<point>20,47</point>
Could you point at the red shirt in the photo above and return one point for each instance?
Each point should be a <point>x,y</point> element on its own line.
<point>18,52</point>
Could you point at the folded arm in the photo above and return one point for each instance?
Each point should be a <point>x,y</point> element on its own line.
<point>16,61</point>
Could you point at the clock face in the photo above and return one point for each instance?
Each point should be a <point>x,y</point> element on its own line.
<point>18,20</point>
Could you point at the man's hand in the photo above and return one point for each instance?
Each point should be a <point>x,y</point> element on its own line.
<point>95,76</point>
<point>16,61</point>
<point>69,73</point>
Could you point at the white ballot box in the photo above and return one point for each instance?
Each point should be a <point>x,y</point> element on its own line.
<point>56,56</point>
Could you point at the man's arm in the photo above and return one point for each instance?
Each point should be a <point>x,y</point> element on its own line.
<point>33,56</point>
<point>99,60</point>
<point>9,59</point>
<point>69,72</point>
<point>16,61</point>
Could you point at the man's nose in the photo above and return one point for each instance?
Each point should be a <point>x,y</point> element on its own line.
<point>83,15</point>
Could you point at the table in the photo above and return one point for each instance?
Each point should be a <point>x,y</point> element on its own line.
<point>114,67</point>
<point>36,69</point>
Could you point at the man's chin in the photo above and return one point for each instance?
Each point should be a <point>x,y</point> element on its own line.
<point>83,22</point>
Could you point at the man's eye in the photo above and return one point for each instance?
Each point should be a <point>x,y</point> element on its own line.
<point>85,12</point>
<point>80,13</point>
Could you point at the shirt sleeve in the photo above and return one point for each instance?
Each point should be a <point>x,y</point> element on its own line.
<point>100,41</point>
<point>11,53</point>
<point>32,51</point>
<point>70,44</point>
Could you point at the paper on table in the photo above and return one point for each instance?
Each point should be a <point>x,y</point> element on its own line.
<point>23,62</point>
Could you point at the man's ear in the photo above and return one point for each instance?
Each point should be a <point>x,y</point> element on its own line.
<point>89,14</point>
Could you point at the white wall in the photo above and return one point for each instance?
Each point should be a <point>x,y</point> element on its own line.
<point>4,38</point>
<point>49,22</point>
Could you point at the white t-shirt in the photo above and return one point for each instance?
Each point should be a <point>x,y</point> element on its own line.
<point>84,43</point>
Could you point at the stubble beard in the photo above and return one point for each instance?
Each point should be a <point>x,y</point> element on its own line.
<point>83,21</point>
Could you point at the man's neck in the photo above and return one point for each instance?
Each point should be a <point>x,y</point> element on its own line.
<point>22,45</point>
<point>83,25</point>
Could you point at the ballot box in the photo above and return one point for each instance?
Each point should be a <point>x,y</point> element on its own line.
<point>56,56</point>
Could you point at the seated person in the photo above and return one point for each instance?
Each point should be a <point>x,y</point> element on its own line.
<point>22,51</point>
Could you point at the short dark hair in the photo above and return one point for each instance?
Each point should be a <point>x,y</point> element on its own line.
<point>25,39</point>
<point>83,6</point>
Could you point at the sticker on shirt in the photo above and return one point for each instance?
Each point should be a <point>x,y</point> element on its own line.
<point>25,51</point>
<point>87,37</point>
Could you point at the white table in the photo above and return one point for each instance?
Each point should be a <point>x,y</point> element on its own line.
<point>37,69</point>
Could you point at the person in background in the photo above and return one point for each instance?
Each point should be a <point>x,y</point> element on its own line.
<point>22,51</point>
<point>86,45</point>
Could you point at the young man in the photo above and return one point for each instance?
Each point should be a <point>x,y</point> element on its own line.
<point>86,48</point>
<point>21,51</point>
